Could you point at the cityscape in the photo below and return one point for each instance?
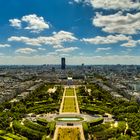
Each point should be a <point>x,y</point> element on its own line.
<point>70,70</point>
<point>74,102</point>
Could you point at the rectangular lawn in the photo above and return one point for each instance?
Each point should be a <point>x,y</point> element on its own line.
<point>69,104</point>
<point>68,134</point>
<point>69,92</point>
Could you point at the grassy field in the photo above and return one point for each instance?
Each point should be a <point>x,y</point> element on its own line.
<point>69,92</point>
<point>69,105</point>
<point>68,134</point>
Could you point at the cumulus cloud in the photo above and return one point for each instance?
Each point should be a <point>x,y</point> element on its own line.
<point>56,40</point>
<point>25,50</point>
<point>103,49</point>
<point>33,23</point>
<point>64,36</point>
<point>115,4</point>
<point>26,40</point>
<point>112,4</point>
<point>4,45</point>
<point>15,23</point>
<point>118,23</point>
<point>67,50</point>
<point>131,43</point>
<point>110,39</point>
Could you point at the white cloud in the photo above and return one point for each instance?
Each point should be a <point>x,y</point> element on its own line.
<point>111,39</point>
<point>67,50</point>
<point>34,23</point>
<point>15,23</point>
<point>26,40</point>
<point>64,36</point>
<point>78,1</point>
<point>57,46</point>
<point>81,1</point>
<point>131,43</point>
<point>107,40</point>
<point>41,49</point>
<point>4,45</point>
<point>56,40</point>
<point>85,2</point>
<point>118,23</point>
<point>25,50</point>
<point>116,4</point>
<point>103,49</point>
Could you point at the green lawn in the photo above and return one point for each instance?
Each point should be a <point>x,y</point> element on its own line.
<point>69,104</point>
<point>69,92</point>
<point>68,134</point>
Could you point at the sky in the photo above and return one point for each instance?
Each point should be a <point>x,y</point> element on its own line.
<point>82,31</point>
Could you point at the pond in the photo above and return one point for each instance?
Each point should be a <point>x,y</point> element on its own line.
<point>69,119</point>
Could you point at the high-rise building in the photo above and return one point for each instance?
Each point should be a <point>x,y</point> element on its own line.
<point>63,63</point>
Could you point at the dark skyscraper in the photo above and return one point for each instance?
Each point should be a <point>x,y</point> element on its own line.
<point>63,64</point>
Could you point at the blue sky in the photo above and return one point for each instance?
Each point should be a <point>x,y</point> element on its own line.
<point>83,31</point>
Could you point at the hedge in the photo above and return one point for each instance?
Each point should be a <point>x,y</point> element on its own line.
<point>35,126</point>
<point>96,121</point>
<point>51,126</point>
<point>2,132</point>
<point>86,129</point>
<point>15,137</point>
<point>5,138</point>
<point>91,110</point>
<point>27,132</point>
<point>45,138</point>
<point>85,126</point>
<point>43,122</point>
